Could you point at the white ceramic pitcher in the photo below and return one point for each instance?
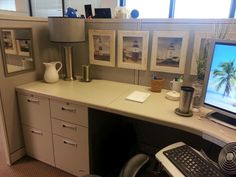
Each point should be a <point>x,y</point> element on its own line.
<point>51,72</point>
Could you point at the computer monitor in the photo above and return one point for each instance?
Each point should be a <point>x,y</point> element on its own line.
<point>220,83</point>
<point>102,13</point>
<point>88,10</point>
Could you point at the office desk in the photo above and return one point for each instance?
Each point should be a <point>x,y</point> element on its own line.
<point>110,96</point>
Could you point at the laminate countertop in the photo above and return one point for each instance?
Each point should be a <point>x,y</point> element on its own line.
<point>111,97</point>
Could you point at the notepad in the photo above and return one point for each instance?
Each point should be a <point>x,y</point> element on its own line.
<point>138,96</point>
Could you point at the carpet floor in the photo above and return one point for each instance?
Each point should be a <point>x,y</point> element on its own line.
<point>28,167</point>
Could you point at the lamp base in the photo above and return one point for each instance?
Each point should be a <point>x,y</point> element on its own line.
<point>69,78</point>
<point>68,64</point>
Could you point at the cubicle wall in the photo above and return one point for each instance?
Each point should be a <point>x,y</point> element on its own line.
<point>193,28</point>
<point>43,51</point>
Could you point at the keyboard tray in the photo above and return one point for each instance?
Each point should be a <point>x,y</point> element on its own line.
<point>190,163</point>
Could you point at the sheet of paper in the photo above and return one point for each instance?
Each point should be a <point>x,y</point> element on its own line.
<point>138,96</point>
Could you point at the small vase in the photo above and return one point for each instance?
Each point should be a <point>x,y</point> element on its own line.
<point>198,90</point>
<point>51,72</point>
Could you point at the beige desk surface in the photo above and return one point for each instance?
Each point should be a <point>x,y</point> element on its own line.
<point>110,96</point>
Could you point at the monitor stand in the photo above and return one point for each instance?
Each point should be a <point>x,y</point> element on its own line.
<point>222,119</point>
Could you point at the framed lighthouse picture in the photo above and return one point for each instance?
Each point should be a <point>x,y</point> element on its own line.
<point>132,49</point>
<point>102,47</point>
<point>169,50</point>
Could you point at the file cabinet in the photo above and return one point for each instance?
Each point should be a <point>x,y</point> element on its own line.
<point>70,137</point>
<point>36,124</point>
<point>55,132</point>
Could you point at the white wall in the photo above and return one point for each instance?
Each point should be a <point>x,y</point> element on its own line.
<point>22,7</point>
<point>43,51</point>
<point>110,4</point>
<point>14,7</point>
<point>79,5</point>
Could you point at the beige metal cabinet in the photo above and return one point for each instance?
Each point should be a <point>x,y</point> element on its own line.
<point>35,111</point>
<point>56,132</point>
<point>69,112</point>
<point>71,155</point>
<point>70,137</point>
<point>38,144</point>
<point>35,117</point>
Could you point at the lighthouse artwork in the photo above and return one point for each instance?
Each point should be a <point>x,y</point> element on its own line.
<point>102,47</point>
<point>132,49</point>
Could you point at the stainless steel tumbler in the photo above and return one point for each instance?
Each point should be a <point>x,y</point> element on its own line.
<point>86,73</point>
<point>186,95</point>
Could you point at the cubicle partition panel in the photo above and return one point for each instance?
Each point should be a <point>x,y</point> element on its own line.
<point>167,31</point>
<point>43,51</point>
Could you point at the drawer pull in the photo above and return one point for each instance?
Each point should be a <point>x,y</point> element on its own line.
<point>70,143</point>
<point>33,100</point>
<point>68,109</point>
<point>36,132</point>
<point>69,126</point>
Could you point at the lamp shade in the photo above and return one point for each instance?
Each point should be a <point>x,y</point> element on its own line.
<point>64,29</point>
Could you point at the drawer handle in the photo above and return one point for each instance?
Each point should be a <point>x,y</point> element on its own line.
<point>36,132</point>
<point>70,143</point>
<point>68,109</point>
<point>69,126</point>
<point>33,101</point>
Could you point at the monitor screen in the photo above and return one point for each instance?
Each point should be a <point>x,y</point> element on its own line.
<point>220,79</point>
<point>102,13</point>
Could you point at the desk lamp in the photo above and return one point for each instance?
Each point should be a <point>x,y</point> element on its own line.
<point>67,31</point>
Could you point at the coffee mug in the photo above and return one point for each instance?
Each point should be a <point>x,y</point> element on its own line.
<point>175,85</point>
<point>186,96</point>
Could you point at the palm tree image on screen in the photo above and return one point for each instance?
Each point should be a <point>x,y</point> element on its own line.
<point>225,78</point>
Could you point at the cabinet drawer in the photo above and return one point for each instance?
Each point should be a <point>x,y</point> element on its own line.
<point>34,111</point>
<point>71,156</point>
<point>70,130</point>
<point>69,112</point>
<point>38,144</point>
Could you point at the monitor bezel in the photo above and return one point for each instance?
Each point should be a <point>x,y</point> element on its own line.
<point>206,78</point>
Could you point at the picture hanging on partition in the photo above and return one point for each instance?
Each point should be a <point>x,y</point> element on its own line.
<point>169,49</point>
<point>102,47</point>
<point>23,47</point>
<point>132,49</point>
<point>201,47</point>
<point>9,41</point>
<point>201,51</point>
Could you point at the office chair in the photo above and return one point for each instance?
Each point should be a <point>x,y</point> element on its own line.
<point>133,167</point>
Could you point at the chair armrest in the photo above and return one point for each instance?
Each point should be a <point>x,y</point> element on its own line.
<point>134,166</point>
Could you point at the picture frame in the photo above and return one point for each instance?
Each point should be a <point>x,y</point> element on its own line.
<point>102,47</point>
<point>9,41</point>
<point>133,49</point>
<point>23,47</point>
<point>199,44</point>
<point>169,50</point>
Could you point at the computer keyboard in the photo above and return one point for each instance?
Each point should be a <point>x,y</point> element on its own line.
<point>190,163</point>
